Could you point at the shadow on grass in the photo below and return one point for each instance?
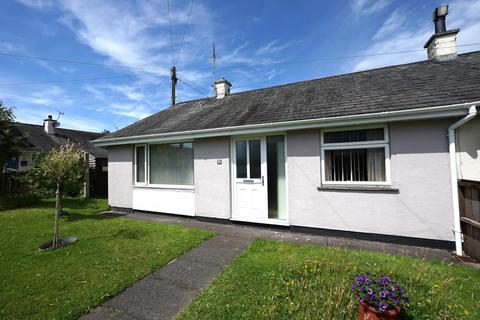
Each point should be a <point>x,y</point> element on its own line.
<point>72,216</point>
<point>131,234</point>
<point>69,203</point>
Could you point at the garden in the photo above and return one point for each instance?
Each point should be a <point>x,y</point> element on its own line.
<point>275,280</point>
<point>109,256</point>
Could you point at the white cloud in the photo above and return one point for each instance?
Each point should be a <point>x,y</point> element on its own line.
<point>413,35</point>
<point>394,23</point>
<point>367,7</point>
<point>37,4</point>
<point>136,111</point>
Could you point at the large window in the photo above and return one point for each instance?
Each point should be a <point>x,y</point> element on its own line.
<point>355,156</point>
<point>164,164</point>
<point>171,164</point>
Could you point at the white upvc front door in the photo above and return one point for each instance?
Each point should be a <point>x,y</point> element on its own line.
<point>250,179</point>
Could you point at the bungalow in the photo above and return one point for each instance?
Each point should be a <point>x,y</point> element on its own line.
<point>42,138</point>
<point>371,154</point>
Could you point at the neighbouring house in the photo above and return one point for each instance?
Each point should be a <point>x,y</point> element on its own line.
<point>42,138</point>
<point>371,154</point>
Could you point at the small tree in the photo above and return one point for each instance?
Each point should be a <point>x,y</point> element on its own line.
<point>61,165</point>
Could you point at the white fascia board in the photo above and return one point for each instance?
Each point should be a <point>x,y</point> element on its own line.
<point>360,119</point>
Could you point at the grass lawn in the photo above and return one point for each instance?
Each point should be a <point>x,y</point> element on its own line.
<point>111,254</point>
<point>275,280</point>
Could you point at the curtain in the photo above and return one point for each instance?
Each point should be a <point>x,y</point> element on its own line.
<point>171,164</point>
<point>355,164</point>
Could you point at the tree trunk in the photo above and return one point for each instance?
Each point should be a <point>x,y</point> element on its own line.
<point>58,208</point>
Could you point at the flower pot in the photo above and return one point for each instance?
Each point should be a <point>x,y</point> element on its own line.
<point>366,312</point>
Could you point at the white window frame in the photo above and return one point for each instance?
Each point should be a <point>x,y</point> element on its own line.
<point>170,186</point>
<point>385,143</point>
<point>145,165</point>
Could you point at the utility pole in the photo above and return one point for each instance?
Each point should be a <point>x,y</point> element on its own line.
<point>214,58</point>
<point>173,72</point>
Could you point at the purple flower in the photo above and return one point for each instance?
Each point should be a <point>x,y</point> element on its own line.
<point>369,291</point>
<point>383,306</point>
<point>353,287</point>
<point>383,293</point>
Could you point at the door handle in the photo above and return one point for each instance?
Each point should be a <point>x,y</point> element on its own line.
<point>263,181</point>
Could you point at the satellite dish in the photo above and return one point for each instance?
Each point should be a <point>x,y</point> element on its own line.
<point>56,124</point>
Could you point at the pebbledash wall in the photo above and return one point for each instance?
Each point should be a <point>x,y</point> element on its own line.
<point>420,208</point>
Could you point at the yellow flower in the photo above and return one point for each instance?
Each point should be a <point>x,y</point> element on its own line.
<point>466,312</point>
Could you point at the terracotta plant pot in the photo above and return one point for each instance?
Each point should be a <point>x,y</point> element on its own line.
<point>366,312</point>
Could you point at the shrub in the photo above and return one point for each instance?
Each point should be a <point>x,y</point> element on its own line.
<point>13,201</point>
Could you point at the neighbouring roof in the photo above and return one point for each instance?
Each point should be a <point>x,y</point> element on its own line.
<point>36,139</point>
<point>410,86</point>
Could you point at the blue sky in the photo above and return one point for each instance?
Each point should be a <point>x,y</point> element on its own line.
<point>258,44</point>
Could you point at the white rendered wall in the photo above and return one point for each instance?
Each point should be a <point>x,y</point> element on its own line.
<point>212,177</point>
<point>175,201</point>
<point>120,176</point>
<point>420,169</point>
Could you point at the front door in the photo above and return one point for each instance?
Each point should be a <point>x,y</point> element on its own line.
<point>250,179</point>
<point>258,176</point>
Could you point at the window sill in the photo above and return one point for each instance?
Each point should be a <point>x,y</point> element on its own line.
<point>360,188</point>
<point>166,186</point>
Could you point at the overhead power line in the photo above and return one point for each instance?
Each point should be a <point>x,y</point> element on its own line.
<point>28,57</point>
<point>281,62</point>
<point>179,52</point>
<point>65,80</point>
<point>171,33</point>
<point>193,87</point>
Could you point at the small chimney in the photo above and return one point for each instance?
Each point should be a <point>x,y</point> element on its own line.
<point>222,88</point>
<point>49,125</point>
<point>442,45</point>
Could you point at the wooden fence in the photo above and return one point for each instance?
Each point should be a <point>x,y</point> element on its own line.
<point>470,216</point>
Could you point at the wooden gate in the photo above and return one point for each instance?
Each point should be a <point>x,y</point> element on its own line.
<point>470,216</point>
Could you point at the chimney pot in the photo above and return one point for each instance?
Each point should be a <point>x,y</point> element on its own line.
<point>222,88</point>
<point>442,45</point>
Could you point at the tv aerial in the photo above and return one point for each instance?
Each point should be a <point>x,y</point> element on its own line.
<point>56,124</point>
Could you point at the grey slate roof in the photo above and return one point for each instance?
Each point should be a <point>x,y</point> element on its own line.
<point>36,139</point>
<point>409,86</point>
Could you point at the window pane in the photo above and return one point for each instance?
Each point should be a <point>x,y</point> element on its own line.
<point>171,164</point>
<point>241,158</point>
<point>354,135</point>
<point>141,164</point>
<point>355,165</point>
<point>254,157</point>
<point>277,208</point>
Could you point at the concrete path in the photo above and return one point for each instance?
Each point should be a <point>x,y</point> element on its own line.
<point>167,291</point>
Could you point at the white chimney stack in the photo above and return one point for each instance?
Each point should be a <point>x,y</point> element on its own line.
<point>49,125</point>
<point>222,88</point>
<point>442,45</point>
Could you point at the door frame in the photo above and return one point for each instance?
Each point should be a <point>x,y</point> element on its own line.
<point>233,171</point>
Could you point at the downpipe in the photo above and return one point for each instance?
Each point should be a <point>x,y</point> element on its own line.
<point>472,113</point>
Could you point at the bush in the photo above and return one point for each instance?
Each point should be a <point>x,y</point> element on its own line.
<point>13,201</point>
<point>45,188</point>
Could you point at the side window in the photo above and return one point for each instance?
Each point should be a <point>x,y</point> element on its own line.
<point>140,164</point>
<point>355,156</point>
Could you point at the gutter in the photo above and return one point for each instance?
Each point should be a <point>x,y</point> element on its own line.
<point>453,110</point>
<point>472,113</point>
